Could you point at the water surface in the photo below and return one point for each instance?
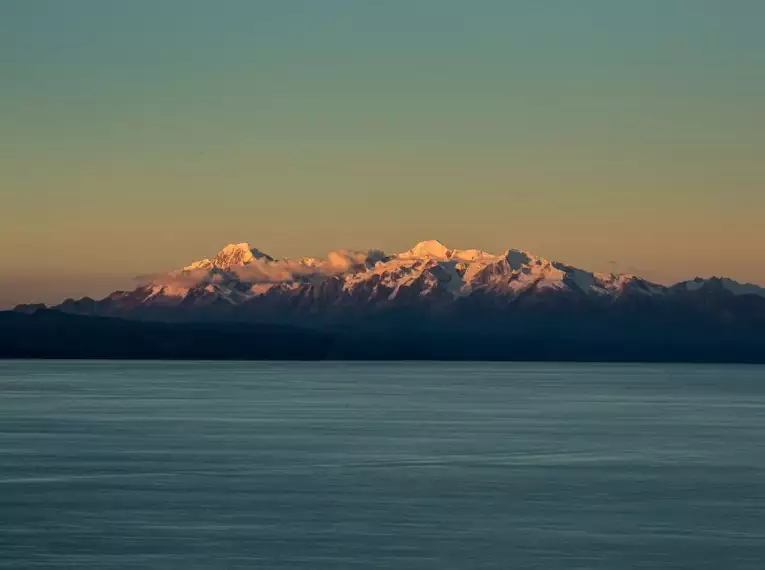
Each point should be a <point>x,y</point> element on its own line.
<point>367,465</point>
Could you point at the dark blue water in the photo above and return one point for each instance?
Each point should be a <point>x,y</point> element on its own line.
<point>412,465</point>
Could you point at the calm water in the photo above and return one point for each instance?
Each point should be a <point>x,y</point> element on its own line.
<point>330,466</point>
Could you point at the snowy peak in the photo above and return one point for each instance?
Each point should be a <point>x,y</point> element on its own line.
<point>231,255</point>
<point>428,249</point>
<point>430,276</point>
<point>430,268</point>
<point>239,254</point>
<point>469,255</point>
<point>436,250</point>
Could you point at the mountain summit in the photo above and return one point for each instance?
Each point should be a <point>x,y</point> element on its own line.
<point>430,248</point>
<point>513,294</point>
<point>429,270</point>
<point>232,254</point>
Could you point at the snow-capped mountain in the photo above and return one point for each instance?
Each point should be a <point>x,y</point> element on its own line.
<point>231,255</point>
<point>428,302</point>
<point>242,282</point>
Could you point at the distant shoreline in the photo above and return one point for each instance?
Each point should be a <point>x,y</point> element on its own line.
<point>53,335</point>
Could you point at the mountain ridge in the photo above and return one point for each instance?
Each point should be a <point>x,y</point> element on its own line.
<point>431,280</point>
<point>426,303</point>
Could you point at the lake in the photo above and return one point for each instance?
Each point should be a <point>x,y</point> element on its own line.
<point>186,465</point>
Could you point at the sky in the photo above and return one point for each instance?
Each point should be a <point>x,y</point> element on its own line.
<point>613,135</point>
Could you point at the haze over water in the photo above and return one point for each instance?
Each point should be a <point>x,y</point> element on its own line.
<point>400,465</point>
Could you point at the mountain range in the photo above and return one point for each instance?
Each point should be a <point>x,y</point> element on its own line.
<point>451,303</point>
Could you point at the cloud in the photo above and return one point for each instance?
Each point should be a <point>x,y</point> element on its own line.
<point>342,260</point>
<point>177,278</point>
<point>263,271</point>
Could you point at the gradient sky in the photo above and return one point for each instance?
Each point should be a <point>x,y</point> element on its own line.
<point>613,135</point>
